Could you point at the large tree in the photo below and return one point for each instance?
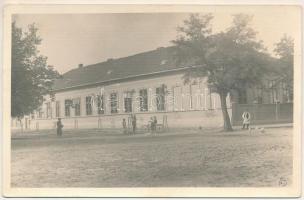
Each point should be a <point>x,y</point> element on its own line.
<point>284,50</point>
<point>232,60</point>
<point>31,77</point>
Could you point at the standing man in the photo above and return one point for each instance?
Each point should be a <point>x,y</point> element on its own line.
<point>134,123</point>
<point>59,127</point>
<point>154,124</point>
<point>151,124</point>
<point>246,119</point>
<point>124,125</point>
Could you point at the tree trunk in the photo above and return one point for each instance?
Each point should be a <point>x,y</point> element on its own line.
<point>227,123</point>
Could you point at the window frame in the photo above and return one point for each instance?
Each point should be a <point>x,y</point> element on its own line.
<point>100,111</point>
<point>67,107</point>
<point>128,101</point>
<point>194,90</point>
<point>48,110</point>
<point>79,107</point>
<point>143,101</point>
<point>40,113</point>
<point>89,108</point>
<point>160,98</point>
<point>113,109</point>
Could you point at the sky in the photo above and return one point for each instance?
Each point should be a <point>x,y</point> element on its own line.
<point>71,39</point>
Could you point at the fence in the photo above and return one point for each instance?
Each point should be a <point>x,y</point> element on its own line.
<point>263,113</point>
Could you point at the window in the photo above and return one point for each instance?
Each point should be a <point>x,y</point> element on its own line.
<point>209,99</point>
<point>52,96</point>
<point>40,113</point>
<point>100,104</point>
<point>57,108</point>
<point>89,105</point>
<point>114,102</point>
<point>177,98</point>
<point>203,95</point>
<point>76,104</point>
<point>160,98</point>
<point>143,101</point>
<point>48,110</point>
<point>128,102</point>
<point>67,106</point>
<point>194,96</point>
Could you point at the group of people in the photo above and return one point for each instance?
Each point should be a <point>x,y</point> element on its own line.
<point>153,123</point>
<point>133,123</point>
<point>151,126</point>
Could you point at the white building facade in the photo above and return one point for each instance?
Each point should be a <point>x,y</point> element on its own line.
<point>104,104</point>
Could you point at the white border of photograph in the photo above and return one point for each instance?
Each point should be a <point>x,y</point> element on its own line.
<point>8,191</point>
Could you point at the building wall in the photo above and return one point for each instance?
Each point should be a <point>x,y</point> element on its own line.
<point>177,119</point>
<point>186,105</point>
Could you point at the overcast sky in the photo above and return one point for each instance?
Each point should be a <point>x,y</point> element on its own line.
<point>70,39</point>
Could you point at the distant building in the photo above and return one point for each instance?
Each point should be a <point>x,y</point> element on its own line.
<point>147,84</point>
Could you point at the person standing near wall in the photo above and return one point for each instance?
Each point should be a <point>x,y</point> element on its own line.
<point>154,124</point>
<point>124,125</point>
<point>150,125</point>
<point>246,119</point>
<point>59,127</point>
<point>134,123</point>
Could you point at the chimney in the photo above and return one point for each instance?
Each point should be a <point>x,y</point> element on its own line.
<point>80,65</point>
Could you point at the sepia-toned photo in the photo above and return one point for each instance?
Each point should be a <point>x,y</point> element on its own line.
<point>152,100</point>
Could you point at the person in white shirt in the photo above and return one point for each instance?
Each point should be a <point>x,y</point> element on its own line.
<point>246,119</point>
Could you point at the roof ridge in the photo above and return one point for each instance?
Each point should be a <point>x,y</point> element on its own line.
<point>116,59</point>
<point>149,62</point>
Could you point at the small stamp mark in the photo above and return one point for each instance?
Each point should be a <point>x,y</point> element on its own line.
<point>282,182</point>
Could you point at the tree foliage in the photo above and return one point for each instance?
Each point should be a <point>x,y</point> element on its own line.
<point>31,77</point>
<point>284,49</point>
<point>229,60</point>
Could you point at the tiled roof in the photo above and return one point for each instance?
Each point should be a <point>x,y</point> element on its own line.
<point>150,62</point>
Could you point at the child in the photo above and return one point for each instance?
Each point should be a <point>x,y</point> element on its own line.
<point>246,120</point>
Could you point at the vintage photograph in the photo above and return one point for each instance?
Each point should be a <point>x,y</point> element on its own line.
<point>202,97</point>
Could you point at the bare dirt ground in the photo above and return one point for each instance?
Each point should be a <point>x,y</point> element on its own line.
<point>178,158</point>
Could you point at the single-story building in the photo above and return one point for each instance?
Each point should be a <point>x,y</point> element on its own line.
<point>146,84</point>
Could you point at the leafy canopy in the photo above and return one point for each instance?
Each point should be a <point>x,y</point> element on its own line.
<point>284,49</point>
<point>232,59</point>
<point>31,76</point>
